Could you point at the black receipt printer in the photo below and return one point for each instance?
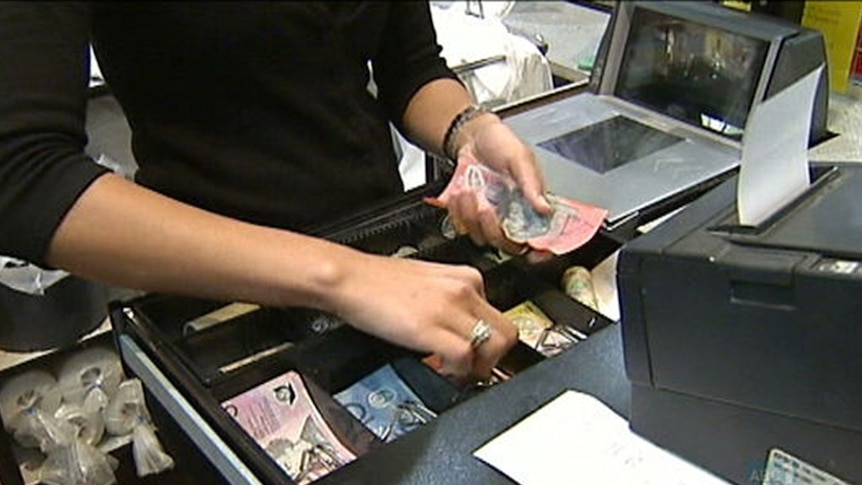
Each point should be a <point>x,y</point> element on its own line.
<point>742,343</point>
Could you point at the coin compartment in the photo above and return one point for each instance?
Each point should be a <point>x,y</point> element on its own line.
<point>219,344</point>
<point>384,230</point>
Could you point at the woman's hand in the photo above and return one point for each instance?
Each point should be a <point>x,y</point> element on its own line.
<point>487,140</point>
<point>427,307</point>
<point>166,246</point>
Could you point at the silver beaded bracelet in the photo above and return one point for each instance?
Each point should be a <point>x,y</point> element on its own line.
<point>458,122</point>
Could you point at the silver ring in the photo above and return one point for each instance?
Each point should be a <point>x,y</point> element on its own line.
<point>480,333</point>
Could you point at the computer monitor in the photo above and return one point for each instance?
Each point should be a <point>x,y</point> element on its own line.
<point>690,71</point>
<point>705,64</point>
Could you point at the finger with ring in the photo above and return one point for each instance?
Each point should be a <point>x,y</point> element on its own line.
<point>480,333</point>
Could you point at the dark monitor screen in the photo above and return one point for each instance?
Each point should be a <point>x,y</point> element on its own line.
<point>693,72</point>
<point>608,144</point>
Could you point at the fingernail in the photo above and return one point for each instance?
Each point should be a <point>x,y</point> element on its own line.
<point>434,361</point>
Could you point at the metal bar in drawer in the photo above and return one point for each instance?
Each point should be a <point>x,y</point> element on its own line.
<point>198,430</point>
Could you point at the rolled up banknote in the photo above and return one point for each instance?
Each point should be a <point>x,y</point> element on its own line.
<point>568,227</point>
<point>577,283</point>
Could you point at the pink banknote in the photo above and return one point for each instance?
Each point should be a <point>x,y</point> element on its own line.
<point>281,416</point>
<point>569,227</point>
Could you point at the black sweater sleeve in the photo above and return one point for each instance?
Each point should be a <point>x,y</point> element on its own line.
<point>409,57</point>
<point>44,62</point>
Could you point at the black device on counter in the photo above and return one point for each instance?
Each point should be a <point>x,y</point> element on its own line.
<point>740,340</point>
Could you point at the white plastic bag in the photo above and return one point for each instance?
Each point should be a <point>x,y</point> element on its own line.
<point>27,278</point>
<point>127,413</point>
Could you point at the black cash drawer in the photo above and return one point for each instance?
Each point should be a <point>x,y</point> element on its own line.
<point>211,351</point>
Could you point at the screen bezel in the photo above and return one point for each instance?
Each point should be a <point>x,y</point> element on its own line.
<point>704,13</point>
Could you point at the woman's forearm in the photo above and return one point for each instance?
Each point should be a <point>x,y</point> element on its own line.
<point>126,235</point>
<point>121,233</point>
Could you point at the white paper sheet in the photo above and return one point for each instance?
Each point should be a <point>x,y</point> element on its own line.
<point>774,166</point>
<point>575,438</point>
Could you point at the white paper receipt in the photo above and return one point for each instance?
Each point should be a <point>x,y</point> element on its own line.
<point>576,438</point>
<point>774,166</point>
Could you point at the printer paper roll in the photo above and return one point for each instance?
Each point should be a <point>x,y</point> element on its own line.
<point>89,425</point>
<point>35,389</point>
<point>96,368</point>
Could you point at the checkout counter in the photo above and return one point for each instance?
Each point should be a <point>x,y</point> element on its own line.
<point>195,357</point>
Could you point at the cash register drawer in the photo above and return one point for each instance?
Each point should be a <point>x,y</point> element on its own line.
<point>193,355</point>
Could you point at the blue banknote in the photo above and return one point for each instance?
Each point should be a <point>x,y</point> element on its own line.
<point>385,404</point>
